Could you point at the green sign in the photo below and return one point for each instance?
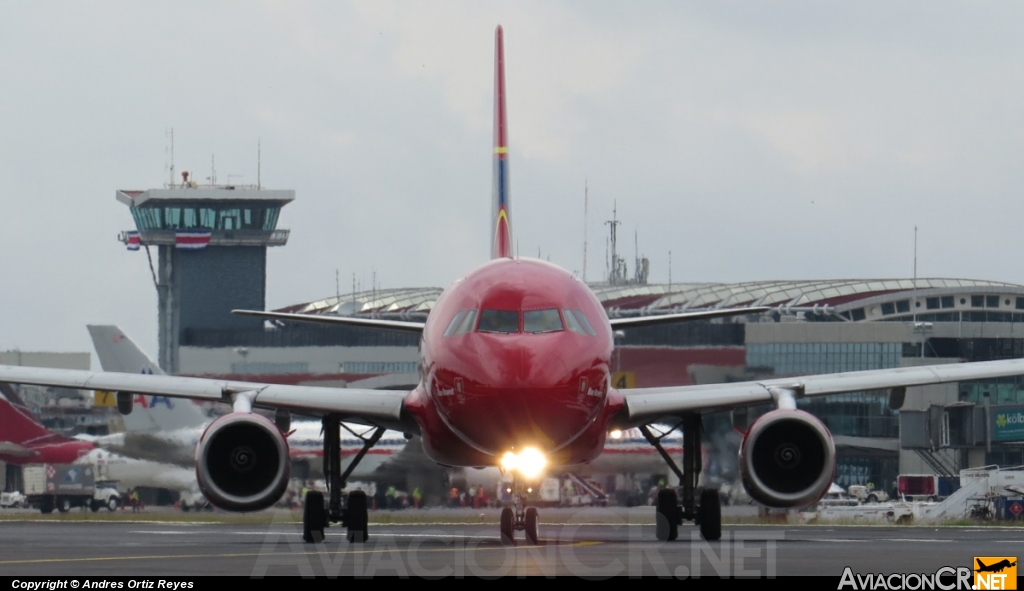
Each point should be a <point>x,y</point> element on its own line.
<point>1008,423</point>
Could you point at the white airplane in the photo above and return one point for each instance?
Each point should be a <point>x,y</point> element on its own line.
<point>515,372</point>
<point>167,430</point>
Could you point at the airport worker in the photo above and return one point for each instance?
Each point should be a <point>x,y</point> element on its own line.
<point>391,497</point>
<point>417,496</point>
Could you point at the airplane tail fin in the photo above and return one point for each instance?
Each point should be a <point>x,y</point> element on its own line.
<point>501,204</point>
<point>119,353</point>
<point>151,414</point>
<point>17,423</point>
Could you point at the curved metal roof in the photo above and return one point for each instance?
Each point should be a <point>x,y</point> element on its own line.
<point>837,294</point>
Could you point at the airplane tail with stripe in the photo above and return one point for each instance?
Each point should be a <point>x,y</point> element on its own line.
<point>501,204</point>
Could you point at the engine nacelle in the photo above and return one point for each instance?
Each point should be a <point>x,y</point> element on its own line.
<point>787,459</point>
<point>242,462</point>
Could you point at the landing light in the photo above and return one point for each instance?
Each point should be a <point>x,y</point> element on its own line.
<point>616,434</point>
<point>529,462</point>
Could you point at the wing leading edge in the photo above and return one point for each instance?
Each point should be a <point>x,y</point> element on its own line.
<point>646,405</point>
<point>399,325</point>
<point>374,407</point>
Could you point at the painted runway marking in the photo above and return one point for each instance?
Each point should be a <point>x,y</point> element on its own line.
<point>256,554</point>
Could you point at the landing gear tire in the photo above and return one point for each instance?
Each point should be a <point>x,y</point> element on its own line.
<point>357,517</point>
<point>314,518</point>
<point>64,505</point>
<point>508,532</point>
<point>710,512</point>
<point>531,525</point>
<point>666,521</point>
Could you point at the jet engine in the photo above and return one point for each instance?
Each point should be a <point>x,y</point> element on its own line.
<point>242,462</point>
<point>787,459</point>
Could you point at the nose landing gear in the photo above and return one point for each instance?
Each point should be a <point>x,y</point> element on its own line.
<point>519,517</point>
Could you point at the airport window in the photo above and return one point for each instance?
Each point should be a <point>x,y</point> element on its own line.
<point>977,301</point>
<point>888,308</point>
<point>963,301</point>
<point>932,303</point>
<point>584,322</point>
<point>467,323</point>
<point>1020,303</point>
<point>992,301</point>
<point>857,314</point>
<point>903,306</point>
<point>454,324</point>
<point>947,301</point>
<point>536,321</point>
<point>500,321</point>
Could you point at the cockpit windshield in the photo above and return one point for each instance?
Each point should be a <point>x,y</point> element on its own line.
<point>541,321</point>
<point>500,321</point>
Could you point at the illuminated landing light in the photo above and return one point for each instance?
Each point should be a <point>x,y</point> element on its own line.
<point>616,434</point>
<point>530,462</point>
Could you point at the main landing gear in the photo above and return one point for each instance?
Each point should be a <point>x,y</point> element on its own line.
<point>704,510</point>
<point>316,515</point>
<point>519,517</point>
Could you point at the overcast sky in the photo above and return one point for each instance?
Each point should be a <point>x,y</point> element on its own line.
<point>800,140</point>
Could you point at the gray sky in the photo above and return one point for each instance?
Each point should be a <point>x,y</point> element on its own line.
<point>754,140</point>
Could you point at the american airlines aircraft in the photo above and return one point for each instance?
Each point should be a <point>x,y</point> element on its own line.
<point>162,429</point>
<point>514,369</point>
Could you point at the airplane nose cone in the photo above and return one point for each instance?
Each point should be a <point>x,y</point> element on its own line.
<point>519,397</point>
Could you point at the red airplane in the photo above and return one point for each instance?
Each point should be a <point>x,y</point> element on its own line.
<point>514,373</point>
<point>24,440</point>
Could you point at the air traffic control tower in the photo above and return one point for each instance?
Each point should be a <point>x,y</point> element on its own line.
<point>211,242</point>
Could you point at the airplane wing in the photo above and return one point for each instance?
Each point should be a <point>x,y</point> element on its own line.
<point>399,325</point>
<point>647,405</point>
<point>374,407</point>
<point>638,321</point>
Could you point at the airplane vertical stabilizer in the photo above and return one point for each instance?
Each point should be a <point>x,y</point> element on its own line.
<point>18,425</point>
<point>151,414</point>
<point>501,205</point>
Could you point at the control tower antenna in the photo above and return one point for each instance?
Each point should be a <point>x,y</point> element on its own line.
<point>259,162</point>
<point>618,268</point>
<point>586,200</point>
<point>171,152</point>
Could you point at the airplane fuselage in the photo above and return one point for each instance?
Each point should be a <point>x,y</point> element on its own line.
<point>508,363</point>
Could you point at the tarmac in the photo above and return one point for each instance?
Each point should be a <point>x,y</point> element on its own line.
<point>595,543</point>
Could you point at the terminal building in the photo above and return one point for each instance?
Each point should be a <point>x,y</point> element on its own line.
<point>211,245</point>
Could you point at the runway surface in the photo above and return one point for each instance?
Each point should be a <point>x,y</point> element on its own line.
<point>594,543</point>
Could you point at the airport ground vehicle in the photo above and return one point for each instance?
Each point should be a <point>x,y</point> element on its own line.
<point>926,487</point>
<point>866,494</point>
<point>63,486</point>
<point>13,499</point>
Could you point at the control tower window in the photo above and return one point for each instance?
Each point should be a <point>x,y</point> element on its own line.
<point>501,321</point>
<point>172,218</point>
<point>229,219</point>
<point>542,321</point>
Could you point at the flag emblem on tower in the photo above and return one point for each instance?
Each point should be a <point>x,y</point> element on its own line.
<point>133,240</point>
<point>191,239</point>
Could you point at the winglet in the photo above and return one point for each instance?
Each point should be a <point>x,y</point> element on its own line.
<point>501,204</point>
